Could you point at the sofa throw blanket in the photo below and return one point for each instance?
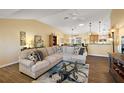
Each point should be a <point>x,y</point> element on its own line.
<point>36,56</point>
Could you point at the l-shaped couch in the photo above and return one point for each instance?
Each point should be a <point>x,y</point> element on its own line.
<point>51,57</point>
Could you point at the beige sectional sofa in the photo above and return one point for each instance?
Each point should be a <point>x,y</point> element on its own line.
<point>51,55</point>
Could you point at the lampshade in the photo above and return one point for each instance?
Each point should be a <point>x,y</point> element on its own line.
<point>112,29</point>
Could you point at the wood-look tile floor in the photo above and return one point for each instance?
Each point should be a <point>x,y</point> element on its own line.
<point>11,74</point>
<point>98,72</point>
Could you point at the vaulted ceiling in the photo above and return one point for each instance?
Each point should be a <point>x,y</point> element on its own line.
<point>70,21</point>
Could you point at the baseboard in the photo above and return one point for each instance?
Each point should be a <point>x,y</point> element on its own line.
<point>98,55</point>
<point>9,64</point>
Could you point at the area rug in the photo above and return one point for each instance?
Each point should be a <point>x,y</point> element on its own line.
<point>83,76</point>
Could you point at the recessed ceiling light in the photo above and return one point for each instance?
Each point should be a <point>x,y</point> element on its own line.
<point>81,24</point>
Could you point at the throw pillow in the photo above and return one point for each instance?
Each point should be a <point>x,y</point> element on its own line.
<point>39,55</point>
<point>81,52</point>
<point>59,49</point>
<point>35,56</point>
<point>76,50</point>
<point>32,56</point>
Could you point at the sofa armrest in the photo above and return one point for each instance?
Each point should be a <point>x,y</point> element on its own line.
<point>82,57</point>
<point>40,65</point>
<point>85,54</point>
<point>26,62</point>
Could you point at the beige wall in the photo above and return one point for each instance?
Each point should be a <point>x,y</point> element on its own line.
<point>117,20</point>
<point>10,40</point>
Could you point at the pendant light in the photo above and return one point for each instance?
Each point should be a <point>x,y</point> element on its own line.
<point>99,26</point>
<point>90,24</point>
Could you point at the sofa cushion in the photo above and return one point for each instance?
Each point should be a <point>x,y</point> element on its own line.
<point>79,58</point>
<point>69,50</point>
<point>58,56</point>
<point>54,49</point>
<point>51,59</point>
<point>40,65</point>
<point>64,49</point>
<point>74,58</point>
<point>24,54</point>
<point>50,51</point>
<point>67,57</point>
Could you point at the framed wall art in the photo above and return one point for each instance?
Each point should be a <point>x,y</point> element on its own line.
<point>22,38</point>
<point>37,41</point>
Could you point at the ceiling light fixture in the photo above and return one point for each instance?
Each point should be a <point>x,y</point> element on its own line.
<point>90,24</point>
<point>74,15</point>
<point>81,25</point>
<point>99,26</point>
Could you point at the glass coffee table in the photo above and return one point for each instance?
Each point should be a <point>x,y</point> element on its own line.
<point>69,72</point>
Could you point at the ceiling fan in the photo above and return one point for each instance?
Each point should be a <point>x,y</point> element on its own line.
<point>74,15</point>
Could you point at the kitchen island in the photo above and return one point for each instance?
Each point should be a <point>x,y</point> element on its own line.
<point>99,49</point>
